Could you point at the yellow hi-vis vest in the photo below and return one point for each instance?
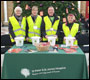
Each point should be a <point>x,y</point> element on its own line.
<point>73,31</point>
<point>19,31</point>
<point>31,31</point>
<point>49,26</point>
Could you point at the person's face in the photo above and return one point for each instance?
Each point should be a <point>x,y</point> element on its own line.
<point>34,12</point>
<point>41,13</point>
<point>51,11</point>
<point>18,12</point>
<point>70,19</point>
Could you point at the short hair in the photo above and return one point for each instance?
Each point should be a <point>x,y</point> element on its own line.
<point>17,8</point>
<point>70,15</point>
<point>50,7</point>
<point>35,7</point>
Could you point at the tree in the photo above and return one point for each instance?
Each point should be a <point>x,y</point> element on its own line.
<point>62,8</point>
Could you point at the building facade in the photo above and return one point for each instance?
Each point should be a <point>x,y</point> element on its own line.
<point>7,10</point>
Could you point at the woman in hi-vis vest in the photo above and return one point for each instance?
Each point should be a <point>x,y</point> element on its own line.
<point>34,24</point>
<point>71,28</point>
<point>17,25</point>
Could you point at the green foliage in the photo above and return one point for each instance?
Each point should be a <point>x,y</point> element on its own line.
<point>61,5</point>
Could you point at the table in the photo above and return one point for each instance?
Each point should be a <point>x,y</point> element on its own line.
<point>44,65</point>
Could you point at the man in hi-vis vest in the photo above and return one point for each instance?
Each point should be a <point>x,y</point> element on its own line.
<point>34,24</point>
<point>71,28</point>
<point>50,25</point>
<point>17,25</point>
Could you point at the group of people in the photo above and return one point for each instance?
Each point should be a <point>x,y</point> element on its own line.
<point>35,25</point>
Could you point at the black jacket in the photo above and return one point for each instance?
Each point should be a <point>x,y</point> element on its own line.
<point>10,28</point>
<point>82,19</point>
<point>87,24</point>
<point>70,27</point>
<point>43,32</point>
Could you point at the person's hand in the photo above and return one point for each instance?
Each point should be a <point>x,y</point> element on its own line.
<point>64,40</point>
<point>41,39</point>
<point>46,36</point>
<point>27,39</point>
<point>56,36</point>
<point>88,25</point>
<point>75,39</point>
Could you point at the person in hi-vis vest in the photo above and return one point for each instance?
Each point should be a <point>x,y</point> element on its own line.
<point>71,28</point>
<point>34,24</point>
<point>50,25</point>
<point>17,24</point>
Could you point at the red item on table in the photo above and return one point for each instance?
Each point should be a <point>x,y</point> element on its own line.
<point>61,48</point>
<point>74,47</point>
<point>66,49</point>
<point>14,50</point>
<point>70,50</point>
<point>45,43</point>
<point>57,45</point>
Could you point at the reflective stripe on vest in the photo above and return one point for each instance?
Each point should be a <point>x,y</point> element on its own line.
<point>18,30</point>
<point>34,33</point>
<point>48,26</point>
<point>17,36</point>
<point>31,31</point>
<point>73,31</point>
